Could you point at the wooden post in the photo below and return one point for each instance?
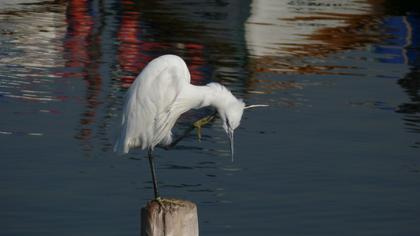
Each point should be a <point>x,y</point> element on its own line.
<point>170,217</point>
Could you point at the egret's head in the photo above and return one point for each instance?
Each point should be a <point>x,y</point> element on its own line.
<point>231,115</point>
<point>230,109</point>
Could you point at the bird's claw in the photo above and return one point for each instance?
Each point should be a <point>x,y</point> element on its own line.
<point>198,132</point>
<point>159,201</point>
<point>173,202</point>
<point>165,203</point>
<point>201,122</point>
<point>197,126</point>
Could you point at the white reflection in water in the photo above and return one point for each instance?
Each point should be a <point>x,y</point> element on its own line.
<point>275,26</point>
<point>33,50</point>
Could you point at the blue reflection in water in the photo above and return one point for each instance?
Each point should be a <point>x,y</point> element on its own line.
<point>402,46</point>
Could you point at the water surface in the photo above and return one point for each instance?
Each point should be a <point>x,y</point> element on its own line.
<point>336,153</point>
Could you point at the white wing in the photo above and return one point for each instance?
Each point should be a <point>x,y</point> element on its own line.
<point>149,115</point>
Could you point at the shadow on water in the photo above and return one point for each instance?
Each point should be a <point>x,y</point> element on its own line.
<point>336,151</point>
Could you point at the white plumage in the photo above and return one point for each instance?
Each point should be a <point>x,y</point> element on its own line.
<point>160,94</point>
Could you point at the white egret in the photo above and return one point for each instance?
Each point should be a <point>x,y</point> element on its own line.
<point>157,98</point>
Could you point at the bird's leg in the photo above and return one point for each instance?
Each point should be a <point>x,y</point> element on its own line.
<point>196,125</point>
<point>158,199</point>
<point>203,121</point>
<point>152,170</point>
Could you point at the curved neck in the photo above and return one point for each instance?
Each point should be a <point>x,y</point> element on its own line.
<point>212,94</point>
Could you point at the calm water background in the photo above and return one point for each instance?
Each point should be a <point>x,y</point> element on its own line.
<point>336,153</point>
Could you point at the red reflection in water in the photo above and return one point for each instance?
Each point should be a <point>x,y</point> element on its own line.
<point>83,53</point>
<point>196,62</point>
<point>80,25</point>
<point>81,58</point>
<point>134,52</point>
<point>130,55</point>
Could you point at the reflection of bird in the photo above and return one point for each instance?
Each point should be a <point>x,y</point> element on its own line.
<point>156,99</point>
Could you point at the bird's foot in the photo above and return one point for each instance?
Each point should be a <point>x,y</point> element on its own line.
<point>159,200</point>
<point>168,201</point>
<point>165,203</point>
<point>172,202</point>
<point>201,122</point>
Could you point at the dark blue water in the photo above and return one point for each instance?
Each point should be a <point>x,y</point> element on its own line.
<point>336,153</point>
